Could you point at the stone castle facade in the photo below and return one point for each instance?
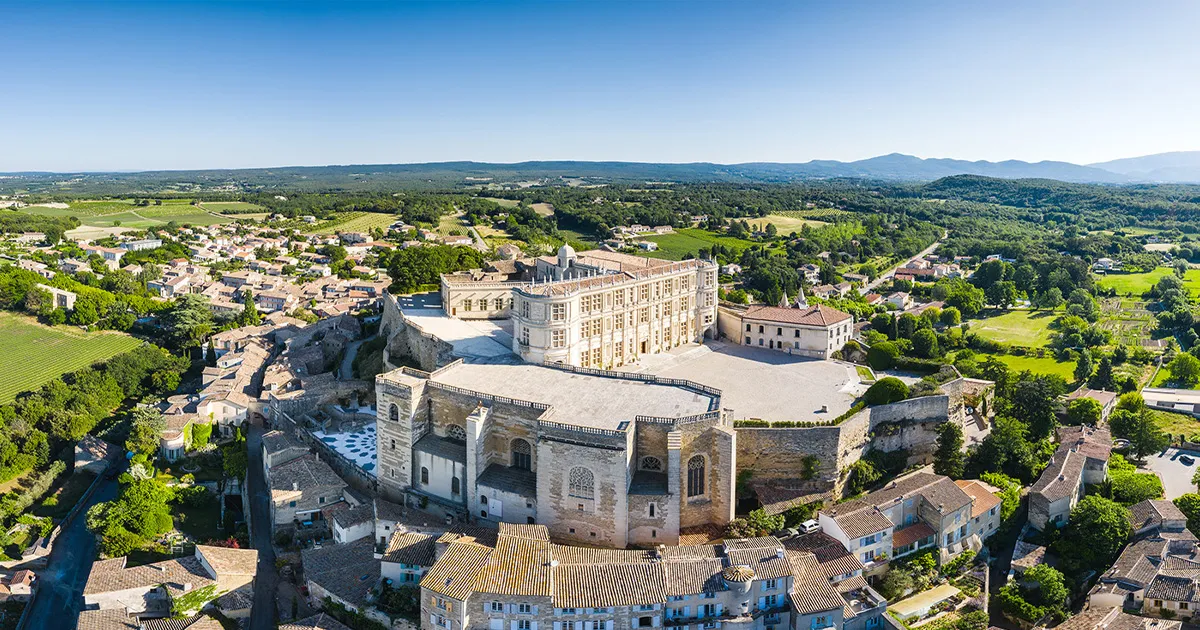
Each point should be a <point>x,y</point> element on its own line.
<point>600,458</point>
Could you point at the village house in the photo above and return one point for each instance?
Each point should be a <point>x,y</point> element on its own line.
<point>300,490</point>
<point>1080,460</point>
<point>815,331</point>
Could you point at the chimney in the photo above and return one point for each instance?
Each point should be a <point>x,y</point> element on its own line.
<point>295,485</point>
<point>779,553</point>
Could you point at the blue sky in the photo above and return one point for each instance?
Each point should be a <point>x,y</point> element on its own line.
<point>97,86</point>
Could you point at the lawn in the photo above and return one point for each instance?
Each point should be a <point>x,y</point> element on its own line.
<point>35,354</point>
<point>202,524</point>
<point>1138,283</point>
<point>1176,423</point>
<point>785,224</point>
<point>1047,365</point>
<point>1023,328</point>
<point>690,240</point>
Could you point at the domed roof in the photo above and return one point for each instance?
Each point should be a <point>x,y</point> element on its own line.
<point>566,251</point>
<point>738,573</point>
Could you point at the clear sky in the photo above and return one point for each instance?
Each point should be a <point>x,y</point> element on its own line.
<point>213,85</point>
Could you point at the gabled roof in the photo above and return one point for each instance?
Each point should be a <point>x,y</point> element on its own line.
<point>349,571</point>
<point>816,315</point>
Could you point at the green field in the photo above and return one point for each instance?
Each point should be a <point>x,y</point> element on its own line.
<point>507,203</point>
<point>689,240</point>
<point>1023,328</point>
<point>785,224</point>
<point>35,354</point>
<point>1138,283</point>
<point>1176,423</point>
<point>1048,365</point>
<point>355,222</point>
<point>227,206</point>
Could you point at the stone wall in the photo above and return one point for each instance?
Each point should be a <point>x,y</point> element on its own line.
<point>407,341</point>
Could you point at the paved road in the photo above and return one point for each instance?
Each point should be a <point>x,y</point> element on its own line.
<point>60,586</point>
<point>346,371</point>
<point>884,277</point>
<point>262,615</point>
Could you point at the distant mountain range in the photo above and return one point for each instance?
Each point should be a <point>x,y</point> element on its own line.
<point>1176,167</point>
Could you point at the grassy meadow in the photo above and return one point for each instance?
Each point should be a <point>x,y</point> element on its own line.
<point>1022,328</point>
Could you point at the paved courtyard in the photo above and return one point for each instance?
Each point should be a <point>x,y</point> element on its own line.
<point>481,340</point>
<point>762,384</point>
<point>357,446</point>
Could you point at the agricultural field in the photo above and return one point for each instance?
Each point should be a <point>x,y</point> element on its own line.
<point>35,354</point>
<point>1022,328</point>
<point>543,209</point>
<point>354,222</point>
<point>818,214</point>
<point>1135,284</point>
<point>785,224</point>
<point>507,203</point>
<point>689,240</point>
<point>1046,365</point>
<point>1127,319</point>
<point>239,207</point>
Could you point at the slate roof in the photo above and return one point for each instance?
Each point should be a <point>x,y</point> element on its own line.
<point>354,516</point>
<point>349,571</point>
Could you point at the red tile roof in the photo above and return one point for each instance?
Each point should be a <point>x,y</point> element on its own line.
<point>817,315</point>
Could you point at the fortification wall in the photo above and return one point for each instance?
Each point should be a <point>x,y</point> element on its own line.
<point>407,340</point>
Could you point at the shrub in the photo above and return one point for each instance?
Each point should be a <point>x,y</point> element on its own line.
<point>882,356</point>
<point>886,390</point>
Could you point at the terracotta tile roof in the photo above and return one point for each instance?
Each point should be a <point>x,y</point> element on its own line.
<point>112,575</point>
<point>518,566</point>
<point>911,534</point>
<point>811,591</point>
<point>456,571</point>
<point>199,622</point>
<point>861,517</point>
<point>604,585</point>
<point>411,548</point>
<point>984,499</point>
<point>688,576</point>
<point>815,315</point>
<point>834,558</point>
<point>1152,513</point>
<point>109,619</point>
<point>226,561</point>
<point>863,522</point>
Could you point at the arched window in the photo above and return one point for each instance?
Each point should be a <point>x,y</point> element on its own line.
<point>455,486</point>
<point>455,432</point>
<point>394,413</point>
<point>695,479</point>
<point>522,454</point>
<point>582,483</point>
<point>424,475</point>
<point>651,463</point>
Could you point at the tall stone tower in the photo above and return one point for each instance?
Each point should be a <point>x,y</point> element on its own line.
<point>400,414</point>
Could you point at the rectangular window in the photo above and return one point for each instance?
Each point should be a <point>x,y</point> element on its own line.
<point>619,298</point>
<point>558,312</point>
<point>524,336</point>
<point>557,339</point>
<point>497,607</point>
<point>523,624</point>
<point>525,609</point>
<point>525,309</point>
<point>466,305</point>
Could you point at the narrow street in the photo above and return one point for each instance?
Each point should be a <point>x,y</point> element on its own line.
<point>262,616</point>
<point>59,595</point>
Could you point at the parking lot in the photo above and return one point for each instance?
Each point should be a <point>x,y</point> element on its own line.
<point>1175,472</point>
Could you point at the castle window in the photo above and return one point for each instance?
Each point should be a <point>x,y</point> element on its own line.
<point>557,339</point>
<point>467,305</point>
<point>394,413</point>
<point>522,454</point>
<point>695,477</point>
<point>558,312</point>
<point>797,335</point>
<point>455,486</point>
<point>582,483</point>
<point>651,510</point>
<point>651,463</point>
<point>747,327</point>
<point>778,332</point>
<point>424,475</point>
<point>483,499</point>
<point>455,432</point>
<point>483,304</point>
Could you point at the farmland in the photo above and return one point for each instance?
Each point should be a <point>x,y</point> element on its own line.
<point>239,207</point>
<point>689,240</point>
<point>354,222</point>
<point>123,213</point>
<point>785,224</point>
<point>1135,284</point>
<point>1023,328</point>
<point>37,354</point>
